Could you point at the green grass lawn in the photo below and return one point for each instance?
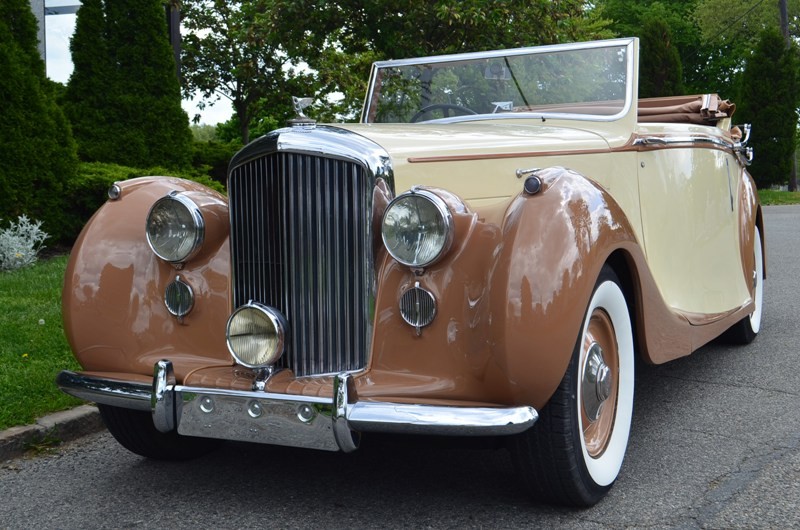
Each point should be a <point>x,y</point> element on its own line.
<point>33,348</point>
<point>770,197</point>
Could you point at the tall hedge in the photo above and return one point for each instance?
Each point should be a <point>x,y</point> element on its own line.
<point>768,100</point>
<point>123,97</point>
<point>37,151</point>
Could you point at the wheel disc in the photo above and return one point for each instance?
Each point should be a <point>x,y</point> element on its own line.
<point>599,384</point>
<point>605,383</point>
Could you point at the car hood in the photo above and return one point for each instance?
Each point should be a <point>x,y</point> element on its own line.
<point>507,137</point>
<point>475,150</point>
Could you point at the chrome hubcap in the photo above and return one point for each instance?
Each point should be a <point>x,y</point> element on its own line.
<point>597,382</point>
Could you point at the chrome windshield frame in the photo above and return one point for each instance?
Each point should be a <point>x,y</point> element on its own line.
<point>630,45</point>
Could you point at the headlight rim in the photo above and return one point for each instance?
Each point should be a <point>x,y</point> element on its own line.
<point>196,215</point>
<point>447,218</point>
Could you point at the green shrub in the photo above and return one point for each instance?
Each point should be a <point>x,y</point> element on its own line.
<point>191,174</point>
<point>213,157</point>
<point>20,243</point>
<point>89,191</point>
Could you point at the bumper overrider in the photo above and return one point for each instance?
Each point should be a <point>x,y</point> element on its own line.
<point>330,424</point>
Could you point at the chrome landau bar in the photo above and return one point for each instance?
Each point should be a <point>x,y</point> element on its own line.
<point>330,424</point>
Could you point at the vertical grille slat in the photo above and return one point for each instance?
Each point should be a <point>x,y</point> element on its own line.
<point>300,238</point>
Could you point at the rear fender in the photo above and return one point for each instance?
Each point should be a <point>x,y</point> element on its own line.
<point>750,217</point>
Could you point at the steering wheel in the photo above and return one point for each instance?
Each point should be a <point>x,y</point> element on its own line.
<point>458,110</point>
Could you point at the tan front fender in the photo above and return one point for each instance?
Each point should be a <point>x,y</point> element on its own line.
<point>555,243</point>
<point>113,299</point>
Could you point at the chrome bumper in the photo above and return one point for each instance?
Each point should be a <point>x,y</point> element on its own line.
<point>330,424</point>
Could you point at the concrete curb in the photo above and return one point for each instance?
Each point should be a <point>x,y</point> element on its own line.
<point>60,426</point>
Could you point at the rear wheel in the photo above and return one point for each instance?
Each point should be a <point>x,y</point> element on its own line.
<point>745,331</point>
<point>573,454</point>
<point>135,431</point>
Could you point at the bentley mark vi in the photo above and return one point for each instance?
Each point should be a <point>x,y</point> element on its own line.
<point>485,253</point>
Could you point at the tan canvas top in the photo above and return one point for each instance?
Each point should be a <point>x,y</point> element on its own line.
<point>704,109</point>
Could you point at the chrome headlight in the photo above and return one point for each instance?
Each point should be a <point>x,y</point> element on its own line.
<point>256,335</point>
<point>175,228</point>
<point>417,228</point>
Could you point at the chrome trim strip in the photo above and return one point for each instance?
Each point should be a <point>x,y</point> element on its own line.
<point>572,46</point>
<point>294,420</point>
<point>539,116</point>
<point>250,394</point>
<point>125,394</point>
<point>663,141</point>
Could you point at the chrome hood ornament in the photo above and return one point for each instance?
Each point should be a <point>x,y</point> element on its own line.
<point>301,120</point>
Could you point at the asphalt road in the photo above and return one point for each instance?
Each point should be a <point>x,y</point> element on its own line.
<point>715,444</point>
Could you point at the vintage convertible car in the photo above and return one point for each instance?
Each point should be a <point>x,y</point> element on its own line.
<point>486,254</point>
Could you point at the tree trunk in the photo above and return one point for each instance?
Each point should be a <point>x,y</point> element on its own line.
<point>782,7</point>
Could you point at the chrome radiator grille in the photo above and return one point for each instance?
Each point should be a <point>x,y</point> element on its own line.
<point>301,242</point>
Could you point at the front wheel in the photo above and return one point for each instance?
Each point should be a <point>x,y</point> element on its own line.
<point>135,431</point>
<point>574,453</point>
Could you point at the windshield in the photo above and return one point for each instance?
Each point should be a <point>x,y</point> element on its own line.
<point>587,80</point>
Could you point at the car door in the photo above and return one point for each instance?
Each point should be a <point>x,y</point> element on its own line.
<point>688,190</point>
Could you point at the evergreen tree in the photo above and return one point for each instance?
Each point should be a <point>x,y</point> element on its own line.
<point>87,97</point>
<point>646,19</point>
<point>124,97</point>
<point>660,71</point>
<point>768,100</point>
<point>37,152</point>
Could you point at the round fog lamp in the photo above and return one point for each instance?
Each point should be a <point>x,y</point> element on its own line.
<point>417,228</point>
<point>256,335</point>
<point>175,228</point>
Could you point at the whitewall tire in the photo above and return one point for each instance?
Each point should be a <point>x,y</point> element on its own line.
<point>575,451</point>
